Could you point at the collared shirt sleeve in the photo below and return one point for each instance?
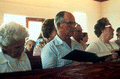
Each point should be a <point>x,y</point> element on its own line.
<point>37,50</point>
<point>53,52</point>
<point>49,58</point>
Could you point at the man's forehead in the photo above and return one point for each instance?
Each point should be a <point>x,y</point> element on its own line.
<point>69,17</point>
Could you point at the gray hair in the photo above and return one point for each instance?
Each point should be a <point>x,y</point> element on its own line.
<point>59,18</point>
<point>28,41</point>
<point>12,32</point>
<point>100,26</point>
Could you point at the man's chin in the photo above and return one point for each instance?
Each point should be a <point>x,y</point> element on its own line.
<point>111,38</point>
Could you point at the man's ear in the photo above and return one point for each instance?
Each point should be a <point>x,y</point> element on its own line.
<point>59,25</point>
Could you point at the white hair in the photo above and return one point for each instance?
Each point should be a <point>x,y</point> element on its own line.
<point>59,18</point>
<point>12,32</point>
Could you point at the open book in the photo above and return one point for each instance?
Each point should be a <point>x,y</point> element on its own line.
<point>83,56</point>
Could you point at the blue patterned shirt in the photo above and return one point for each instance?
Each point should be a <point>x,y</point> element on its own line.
<point>53,52</point>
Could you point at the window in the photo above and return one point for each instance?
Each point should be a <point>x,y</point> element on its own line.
<point>81,19</point>
<point>33,24</point>
<point>15,18</point>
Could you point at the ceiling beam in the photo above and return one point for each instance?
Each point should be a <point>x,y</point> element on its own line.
<point>100,0</point>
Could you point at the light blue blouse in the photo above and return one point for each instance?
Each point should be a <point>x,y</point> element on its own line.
<point>53,52</point>
<point>9,64</point>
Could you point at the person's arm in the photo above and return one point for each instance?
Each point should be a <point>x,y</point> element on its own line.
<point>48,58</point>
<point>37,50</point>
<point>114,55</point>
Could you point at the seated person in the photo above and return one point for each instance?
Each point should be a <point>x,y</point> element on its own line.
<point>85,38</point>
<point>102,46</point>
<point>40,38</point>
<point>29,45</point>
<point>34,60</point>
<point>61,45</point>
<point>48,32</point>
<point>12,57</point>
<point>77,36</point>
<point>118,37</point>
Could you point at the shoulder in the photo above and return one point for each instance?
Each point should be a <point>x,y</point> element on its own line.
<point>75,43</point>
<point>53,43</point>
<point>114,45</point>
<point>49,44</point>
<point>93,46</point>
<point>96,42</point>
<point>2,57</point>
<point>49,47</point>
<point>24,57</point>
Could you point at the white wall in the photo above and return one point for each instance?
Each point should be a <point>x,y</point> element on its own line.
<point>49,8</point>
<point>111,10</point>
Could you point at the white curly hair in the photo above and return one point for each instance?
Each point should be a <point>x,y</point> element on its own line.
<point>11,33</point>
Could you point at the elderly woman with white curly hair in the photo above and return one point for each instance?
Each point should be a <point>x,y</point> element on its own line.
<point>12,57</point>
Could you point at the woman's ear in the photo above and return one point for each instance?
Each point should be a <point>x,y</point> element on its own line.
<point>102,31</point>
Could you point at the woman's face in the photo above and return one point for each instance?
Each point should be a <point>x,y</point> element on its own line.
<point>15,50</point>
<point>78,32</point>
<point>30,46</point>
<point>108,31</point>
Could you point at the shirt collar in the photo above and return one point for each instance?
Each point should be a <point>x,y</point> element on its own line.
<point>72,38</point>
<point>4,60</point>
<point>75,42</point>
<point>2,57</point>
<point>58,40</point>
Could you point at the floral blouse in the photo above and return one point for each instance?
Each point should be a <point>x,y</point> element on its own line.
<point>38,48</point>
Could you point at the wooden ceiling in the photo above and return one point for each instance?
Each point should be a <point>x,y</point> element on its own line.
<point>101,0</point>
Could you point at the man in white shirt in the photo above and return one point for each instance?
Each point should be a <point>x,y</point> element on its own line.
<point>77,37</point>
<point>61,45</point>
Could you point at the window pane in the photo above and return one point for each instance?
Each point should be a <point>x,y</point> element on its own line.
<point>34,30</point>
<point>15,18</point>
<point>81,19</point>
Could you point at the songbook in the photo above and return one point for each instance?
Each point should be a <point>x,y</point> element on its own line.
<point>84,56</point>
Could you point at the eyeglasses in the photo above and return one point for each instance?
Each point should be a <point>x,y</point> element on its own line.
<point>110,26</point>
<point>70,23</point>
<point>78,30</point>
